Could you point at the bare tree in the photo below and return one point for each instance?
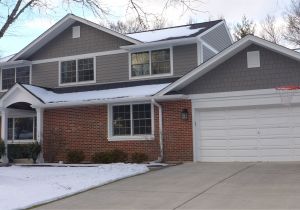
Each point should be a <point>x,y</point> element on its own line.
<point>246,27</point>
<point>270,31</point>
<point>292,18</point>
<point>15,8</point>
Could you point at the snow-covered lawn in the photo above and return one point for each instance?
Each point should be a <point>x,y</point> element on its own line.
<point>23,187</point>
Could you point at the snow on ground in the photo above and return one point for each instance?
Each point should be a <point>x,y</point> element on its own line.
<point>135,91</point>
<point>24,187</point>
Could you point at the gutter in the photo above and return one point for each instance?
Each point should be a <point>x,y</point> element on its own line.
<point>110,101</point>
<point>161,145</point>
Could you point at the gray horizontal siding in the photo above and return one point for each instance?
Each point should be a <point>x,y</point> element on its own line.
<point>45,74</point>
<point>207,53</point>
<point>184,59</point>
<point>218,38</point>
<point>233,75</point>
<point>91,40</point>
<point>112,68</point>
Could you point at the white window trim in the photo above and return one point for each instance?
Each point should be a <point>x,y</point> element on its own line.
<point>18,141</point>
<point>131,137</point>
<point>14,67</point>
<point>150,67</point>
<point>77,82</point>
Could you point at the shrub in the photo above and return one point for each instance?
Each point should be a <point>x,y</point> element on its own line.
<point>35,149</point>
<point>18,151</point>
<point>113,156</point>
<point>75,156</point>
<point>139,157</point>
<point>2,148</point>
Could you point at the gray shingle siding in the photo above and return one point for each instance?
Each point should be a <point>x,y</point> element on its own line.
<point>45,74</point>
<point>218,38</point>
<point>233,75</point>
<point>184,58</point>
<point>91,40</point>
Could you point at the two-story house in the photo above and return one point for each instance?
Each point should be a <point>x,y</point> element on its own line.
<point>177,94</point>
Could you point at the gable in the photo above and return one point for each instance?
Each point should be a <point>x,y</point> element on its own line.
<point>90,40</point>
<point>234,75</point>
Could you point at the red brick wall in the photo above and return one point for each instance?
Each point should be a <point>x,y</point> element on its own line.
<point>85,128</point>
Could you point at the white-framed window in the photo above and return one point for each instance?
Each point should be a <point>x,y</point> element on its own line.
<point>10,76</point>
<point>253,59</point>
<point>151,63</point>
<point>131,121</point>
<point>21,129</point>
<point>76,71</point>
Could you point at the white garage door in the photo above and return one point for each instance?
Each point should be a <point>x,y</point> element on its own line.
<point>252,134</point>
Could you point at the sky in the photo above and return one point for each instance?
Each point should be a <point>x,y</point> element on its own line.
<point>33,23</point>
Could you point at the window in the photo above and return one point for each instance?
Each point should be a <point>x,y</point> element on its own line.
<point>74,71</point>
<point>12,75</point>
<point>75,32</point>
<point>21,128</point>
<point>132,120</point>
<point>253,59</point>
<point>151,63</point>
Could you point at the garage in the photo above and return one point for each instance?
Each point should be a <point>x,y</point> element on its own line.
<point>257,133</point>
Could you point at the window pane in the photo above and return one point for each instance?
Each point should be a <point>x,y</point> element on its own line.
<point>86,69</point>
<point>160,61</point>
<point>23,128</point>
<point>10,129</point>
<point>141,119</point>
<point>23,75</point>
<point>121,120</point>
<point>140,64</point>
<point>68,71</point>
<point>8,78</point>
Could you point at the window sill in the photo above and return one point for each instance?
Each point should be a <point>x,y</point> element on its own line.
<point>25,141</point>
<point>131,138</point>
<point>77,83</point>
<point>150,76</point>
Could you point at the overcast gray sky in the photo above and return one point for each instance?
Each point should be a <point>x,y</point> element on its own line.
<point>32,25</point>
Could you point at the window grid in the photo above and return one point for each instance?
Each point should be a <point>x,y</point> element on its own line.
<point>10,76</point>
<point>140,120</point>
<point>86,74</point>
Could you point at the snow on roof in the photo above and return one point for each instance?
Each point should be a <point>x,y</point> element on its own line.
<point>166,34</point>
<point>6,58</point>
<point>48,96</point>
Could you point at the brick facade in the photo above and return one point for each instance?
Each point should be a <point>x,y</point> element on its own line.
<point>85,128</point>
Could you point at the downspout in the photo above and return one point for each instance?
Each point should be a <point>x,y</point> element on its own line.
<point>161,145</point>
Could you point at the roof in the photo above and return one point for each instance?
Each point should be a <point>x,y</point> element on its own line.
<point>60,26</point>
<point>6,58</point>
<point>223,56</point>
<point>48,96</point>
<point>171,33</point>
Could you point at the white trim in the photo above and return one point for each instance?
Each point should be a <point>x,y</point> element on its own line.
<point>73,57</point>
<point>223,56</point>
<point>110,135</point>
<point>210,29</point>
<point>77,82</point>
<point>62,25</point>
<point>15,67</point>
<point>228,32</point>
<point>150,64</point>
<point>214,50</point>
<point>199,52</point>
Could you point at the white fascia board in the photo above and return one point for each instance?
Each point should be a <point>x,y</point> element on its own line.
<point>209,46</point>
<point>112,101</point>
<point>211,29</point>
<point>228,31</point>
<point>172,42</point>
<point>223,56</point>
<point>15,63</point>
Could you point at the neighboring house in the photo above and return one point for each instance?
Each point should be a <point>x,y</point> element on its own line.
<point>179,94</point>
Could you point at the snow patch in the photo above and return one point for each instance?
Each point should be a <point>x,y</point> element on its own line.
<point>126,92</point>
<point>24,187</point>
<point>162,34</point>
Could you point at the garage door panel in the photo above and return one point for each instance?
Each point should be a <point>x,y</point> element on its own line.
<point>253,134</point>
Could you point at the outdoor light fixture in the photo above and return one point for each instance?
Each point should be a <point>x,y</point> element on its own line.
<point>184,114</point>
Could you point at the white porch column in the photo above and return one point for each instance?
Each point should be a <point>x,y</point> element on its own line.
<point>4,129</point>
<point>39,131</point>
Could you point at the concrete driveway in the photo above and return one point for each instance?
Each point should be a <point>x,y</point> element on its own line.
<point>198,186</point>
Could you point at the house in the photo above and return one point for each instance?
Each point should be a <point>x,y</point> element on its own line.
<point>185,93</point>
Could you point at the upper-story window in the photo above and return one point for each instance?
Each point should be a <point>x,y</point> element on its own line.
<point>151,63</point>
<point>12,75</point>
<point>76,71</point>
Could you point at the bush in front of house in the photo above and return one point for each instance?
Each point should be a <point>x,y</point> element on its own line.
<point>18,151</point>
<point>2,148</point>
<point>35,149</point>
<point>75,156</point>
<point>139,157</point>
<point>114,156</point>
